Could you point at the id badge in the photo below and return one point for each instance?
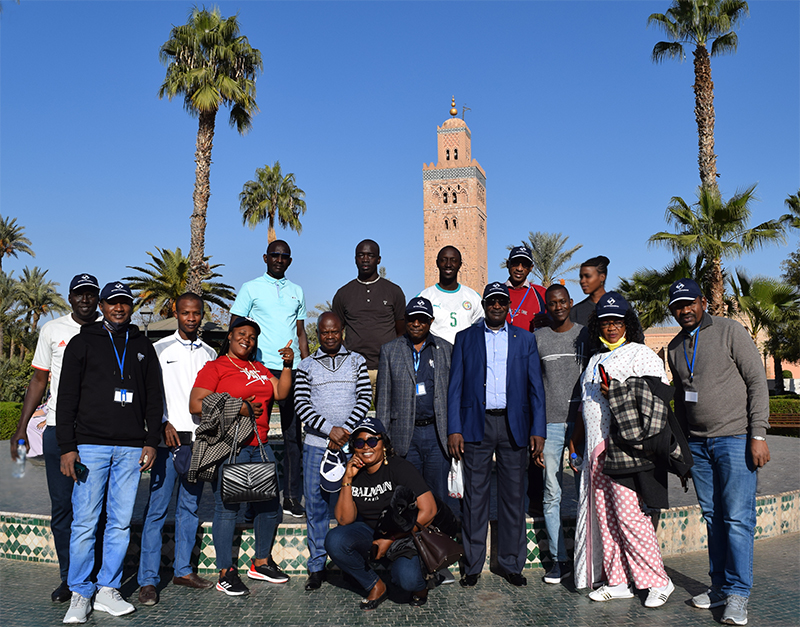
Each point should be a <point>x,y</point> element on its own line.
<point>421,389</point>
<point>123,396</point>
<point>690,396</point>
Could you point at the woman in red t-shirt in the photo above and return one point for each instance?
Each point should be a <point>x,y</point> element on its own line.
<point>237,373</point>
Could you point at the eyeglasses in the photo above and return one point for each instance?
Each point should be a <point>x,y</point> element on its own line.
<point>280,255</point>
<point>371,442</point>
<point>608,324</point>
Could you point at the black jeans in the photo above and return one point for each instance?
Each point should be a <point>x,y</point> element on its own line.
<point>292,444</point>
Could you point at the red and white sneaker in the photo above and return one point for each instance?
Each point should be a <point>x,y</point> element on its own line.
<point>267,572</point>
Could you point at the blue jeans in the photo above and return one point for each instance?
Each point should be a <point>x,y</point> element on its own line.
<point>163,478</point>
<point>725,481</point>
<point>427,456</point>
<point>349,547</point>
<point>557,438</point>
<point>115,469</point>
<point>264,524</point>
<point>60,488</point>
<point>319,508</point>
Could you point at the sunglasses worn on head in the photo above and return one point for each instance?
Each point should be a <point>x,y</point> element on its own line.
<point>371,442</point>
<point>279,255</point>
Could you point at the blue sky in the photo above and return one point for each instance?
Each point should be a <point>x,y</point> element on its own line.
<point>578,131</point>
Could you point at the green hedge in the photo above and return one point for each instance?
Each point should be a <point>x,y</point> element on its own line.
<point>9,417</point>
<point>784,405</point>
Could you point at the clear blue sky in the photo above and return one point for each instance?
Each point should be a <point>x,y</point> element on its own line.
<point>578,131</point>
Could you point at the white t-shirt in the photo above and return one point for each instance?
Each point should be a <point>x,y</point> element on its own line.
<point>453,311</point>
<point>180,362</point>
<point>53,340</point>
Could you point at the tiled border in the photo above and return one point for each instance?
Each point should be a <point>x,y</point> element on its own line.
<point>680,530</point>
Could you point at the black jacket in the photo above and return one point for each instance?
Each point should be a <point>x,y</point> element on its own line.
<point>87,412</point>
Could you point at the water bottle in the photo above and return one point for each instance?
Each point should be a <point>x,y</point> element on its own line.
<point>22,456</point>
<point>575,461</point>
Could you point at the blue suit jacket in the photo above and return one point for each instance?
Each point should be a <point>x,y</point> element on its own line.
<point>466,398</point>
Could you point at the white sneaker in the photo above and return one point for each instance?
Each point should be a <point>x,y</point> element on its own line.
<point>79,609</point>
<point>109,600</point>
<point>606,593</point>
<point>658,596</point>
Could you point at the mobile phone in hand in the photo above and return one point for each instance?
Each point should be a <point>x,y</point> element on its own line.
<point>603,375</point>
<point>81,471</point>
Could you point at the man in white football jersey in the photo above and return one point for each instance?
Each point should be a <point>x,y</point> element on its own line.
<point>455,306</point>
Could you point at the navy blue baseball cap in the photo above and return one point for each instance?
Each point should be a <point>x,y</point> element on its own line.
<point>419,305</point>
<point>611,305</point>
<point>332,469</point>
<point>83,280</point>
<point>521,252</point>
<point>496,289</point>
<point>244,320</point>
<point>370,425</point>
<point>684,289</point>
<point>115,289</point>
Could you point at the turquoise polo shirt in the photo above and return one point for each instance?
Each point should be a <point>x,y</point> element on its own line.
<point>277,305</point>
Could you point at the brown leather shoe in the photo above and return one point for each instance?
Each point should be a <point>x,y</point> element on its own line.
<point>148,595</point>
<point>192,580</point>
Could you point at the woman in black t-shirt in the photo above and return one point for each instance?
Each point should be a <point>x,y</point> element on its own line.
<point>372,475</point>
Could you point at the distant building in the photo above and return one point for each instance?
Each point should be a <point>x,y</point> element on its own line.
<point>454,204</point>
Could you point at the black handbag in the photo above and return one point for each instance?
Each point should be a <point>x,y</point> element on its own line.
<point>436,549</point>
<point>251,481</point>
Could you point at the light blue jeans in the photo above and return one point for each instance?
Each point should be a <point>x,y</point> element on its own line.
<point>725,481</point>
<point>115,468</point>
<point>557,440</point>
<point>163,478</point>
<point>319,507</point>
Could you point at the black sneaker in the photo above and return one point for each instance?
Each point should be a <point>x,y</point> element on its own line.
<point>558,572</point>
<point>231,585</point>
<point>293,507</point>
<point>267,572</point>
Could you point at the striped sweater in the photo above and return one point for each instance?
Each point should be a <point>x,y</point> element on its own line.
<point>331,392</point>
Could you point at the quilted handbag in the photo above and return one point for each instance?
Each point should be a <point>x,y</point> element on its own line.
<point>250,481</point>
<point>436,549</point>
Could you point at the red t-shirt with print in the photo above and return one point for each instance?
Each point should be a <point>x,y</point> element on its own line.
<point>525,304</point>
<point>240,379</point>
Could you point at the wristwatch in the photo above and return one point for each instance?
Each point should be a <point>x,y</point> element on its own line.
<point>760,438</point>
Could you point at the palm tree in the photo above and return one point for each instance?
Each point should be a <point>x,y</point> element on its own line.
<point>792,219</point>
<point>210,65</point>
<point>716,229</point>
<point>13,240</point>
<point>272,196</point>
<point>168,277</point>
<point>763,301</point>
<point>38,297</point>
<point>549,256</point>
<point>698,23</point>
<point>8,305</point>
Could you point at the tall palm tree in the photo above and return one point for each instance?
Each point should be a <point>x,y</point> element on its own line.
<point>716,229</point>
<point>272,196</point>
<point>8,305</point>
<point>13,240</point>
<point>763,301</point>
<point>211,65</point>
<point>38,297</point>
<point>792,219</point>
<point>698,23</point>
<point>549,256</point>
<point>167,278</point>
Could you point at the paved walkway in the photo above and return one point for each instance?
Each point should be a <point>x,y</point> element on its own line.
<point>25,600</point>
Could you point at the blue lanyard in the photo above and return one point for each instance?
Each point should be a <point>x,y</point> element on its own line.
<point>602,361</point>
<point>416,356</point>
<point>514,315</point>
<point>121,362</point>
<point>694,354</point>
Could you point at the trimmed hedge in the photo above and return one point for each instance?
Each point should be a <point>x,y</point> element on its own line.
<point>9,417</point>
<point>778,405</point>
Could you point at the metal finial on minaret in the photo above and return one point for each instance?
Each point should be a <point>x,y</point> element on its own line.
<point>453,110</point>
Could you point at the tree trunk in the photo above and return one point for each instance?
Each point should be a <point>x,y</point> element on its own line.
<point>778,366</point>
<point>198,269</point>
<point>2,333</point>
<point>271,237</point>
<point>716,305</point>
<point>704,114</point>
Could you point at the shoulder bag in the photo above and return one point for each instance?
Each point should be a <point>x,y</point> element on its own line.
<point>250,481</point>
<point>436,549</point>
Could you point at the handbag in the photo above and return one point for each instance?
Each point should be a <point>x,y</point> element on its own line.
<point>436,549</point>
<point>250,481</point>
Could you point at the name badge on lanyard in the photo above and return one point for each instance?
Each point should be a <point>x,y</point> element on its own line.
<point>421,389</point>
<point>123,396</point>
<point>690,396</point>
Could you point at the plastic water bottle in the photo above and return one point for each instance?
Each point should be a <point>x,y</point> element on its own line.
<point>575,461</point>
<point>22,456</point>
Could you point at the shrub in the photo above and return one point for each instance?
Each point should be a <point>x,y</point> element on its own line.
<point>9,417</point>
<point>787,374</point>
<point>780,405</point>
<point>15,374</point>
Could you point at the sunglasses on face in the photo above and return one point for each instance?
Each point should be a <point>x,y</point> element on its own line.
<point>279,255</point>
<point>371,442</point>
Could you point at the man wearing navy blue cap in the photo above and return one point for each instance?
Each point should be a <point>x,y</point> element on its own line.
<point>495,408</point>
<point>527,306</point>
<point>108,426</point>
<point>54,336</point>
<point>721,392</point>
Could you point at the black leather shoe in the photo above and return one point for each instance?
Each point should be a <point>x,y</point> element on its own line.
<point>148,595</point>
<point>315,580</point>
<point>516,579</point>
<point>62,594</point>
<point>294,508</point>
<point>469,581</point>
<point>374,603</point>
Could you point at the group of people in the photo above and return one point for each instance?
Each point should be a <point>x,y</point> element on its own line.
<point>507,382</point>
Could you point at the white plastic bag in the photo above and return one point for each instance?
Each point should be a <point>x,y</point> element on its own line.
<point>455,480</point>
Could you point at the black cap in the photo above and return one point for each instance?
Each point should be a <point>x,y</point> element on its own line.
<point>114,289</point>
<point>370,425</point>
<point>244,320</point>
<point>496,289</point>
<point>684,289</point>
<point>83,280</point>
<point>611,305</point>
<point>520,252</point>
<point>419,305</point>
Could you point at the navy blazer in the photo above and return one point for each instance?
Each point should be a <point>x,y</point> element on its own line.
<point>466,398</point>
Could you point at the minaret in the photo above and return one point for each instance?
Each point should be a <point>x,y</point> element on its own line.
<point>454,204</point>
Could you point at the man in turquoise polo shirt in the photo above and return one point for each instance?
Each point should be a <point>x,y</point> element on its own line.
<point>279,307</point>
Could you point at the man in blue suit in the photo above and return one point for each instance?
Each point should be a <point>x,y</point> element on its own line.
<point>495,407</point>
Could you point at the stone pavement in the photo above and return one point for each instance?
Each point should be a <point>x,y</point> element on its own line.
<point>25,600</point>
